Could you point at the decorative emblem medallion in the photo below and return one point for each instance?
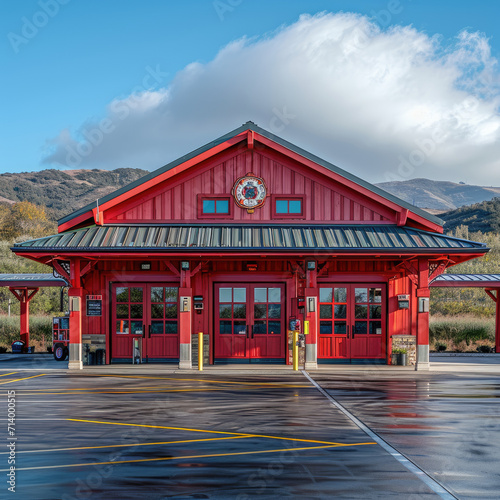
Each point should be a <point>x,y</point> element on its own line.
<point>249,192</point>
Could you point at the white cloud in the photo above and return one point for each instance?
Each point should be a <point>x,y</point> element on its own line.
<point>381,103</point>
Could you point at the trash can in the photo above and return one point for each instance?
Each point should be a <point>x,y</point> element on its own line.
<point>99,356</point>
<point>17,347</point>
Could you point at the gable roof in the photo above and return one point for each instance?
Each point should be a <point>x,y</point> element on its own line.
<point>231,138</point>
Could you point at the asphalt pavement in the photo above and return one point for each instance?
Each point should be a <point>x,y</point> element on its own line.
<point>155,434</point>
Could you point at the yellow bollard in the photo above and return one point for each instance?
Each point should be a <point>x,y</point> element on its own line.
<point>200,351</point>
<point>295,350</point>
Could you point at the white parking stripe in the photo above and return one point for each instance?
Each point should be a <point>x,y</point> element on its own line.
<point>402,459</point>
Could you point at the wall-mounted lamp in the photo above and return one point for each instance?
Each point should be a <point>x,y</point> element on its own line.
<point>311,304</point>
<point>145,266</point>
<point>185,265</point>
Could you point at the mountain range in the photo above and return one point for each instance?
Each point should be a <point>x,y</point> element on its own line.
<point>63,191</point>
<point>439,195</point>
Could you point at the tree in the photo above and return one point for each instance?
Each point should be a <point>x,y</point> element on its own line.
<point>24,219</point>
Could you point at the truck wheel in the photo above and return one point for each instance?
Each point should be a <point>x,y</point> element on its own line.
<point>60,352</point>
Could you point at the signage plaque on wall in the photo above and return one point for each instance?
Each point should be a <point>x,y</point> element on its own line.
<point>94,305</point>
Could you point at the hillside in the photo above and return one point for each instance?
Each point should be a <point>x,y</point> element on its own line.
<point>63,191</point>
<point>484,217</point>
<point>439,195</point>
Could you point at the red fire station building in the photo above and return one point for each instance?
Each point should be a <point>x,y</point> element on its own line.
<point>244,239</point>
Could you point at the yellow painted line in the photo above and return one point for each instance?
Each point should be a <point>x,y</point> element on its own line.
<point>32,392</point>
<point>159,459</point>
<point>202,380</point>
<point>213,432</point>
<point>128,445</point>
<point>5,374</point>
<point>19,379</point>
<point>47,391</point>
<point>137,391</point>
<point>158,427</point>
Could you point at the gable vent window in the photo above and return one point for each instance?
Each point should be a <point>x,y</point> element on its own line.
<point>214,206</point>
<point>289,207</point>
<point>217,206</point>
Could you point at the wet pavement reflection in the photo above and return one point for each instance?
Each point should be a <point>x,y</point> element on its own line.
<point>447,423</point>
<point>210,436</point>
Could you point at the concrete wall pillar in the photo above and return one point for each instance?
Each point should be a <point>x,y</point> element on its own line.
<point>423,295</point>
<point>75,328</point>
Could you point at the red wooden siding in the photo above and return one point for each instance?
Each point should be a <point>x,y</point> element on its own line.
<point>324,200</point>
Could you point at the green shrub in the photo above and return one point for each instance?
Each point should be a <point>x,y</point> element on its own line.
<point>461,329</point>
<point>40,330</point>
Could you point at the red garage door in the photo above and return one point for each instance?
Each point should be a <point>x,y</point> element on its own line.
<point>352,319</point>
<point>249,322</point>
<point>148,311</point>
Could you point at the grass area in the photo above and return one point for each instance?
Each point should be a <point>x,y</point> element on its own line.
<point>463,333</point>
<point>40,331</point>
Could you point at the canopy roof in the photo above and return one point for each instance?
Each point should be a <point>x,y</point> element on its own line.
<point>222,238</point>
<point>467,280</point>
<point>30,280</point>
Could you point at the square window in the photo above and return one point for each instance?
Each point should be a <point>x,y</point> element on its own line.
<point>208,206</point>
<point>222,206</point>
<point>225,327</point>
<point>340,328</point>
<point>325,294</point>
<point>260,295</point>
<point>170,326</point>
<point>260,311</point>
<point>340,311</point>
<point>325,311</point>
<point>122,310</point>
<point>281,206</point>
<point>240,295</point>
<point>121,294</point>
<point>288,207</point>
<point>225,294</point>
<point>325,327</point>
<point>274,295</point>
<point>295,206</point>
<point>156,327</point>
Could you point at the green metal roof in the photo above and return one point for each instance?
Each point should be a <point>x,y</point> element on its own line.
<point>272,137</point>
<point>466,280</point>
<point>249,237</point>
<point>31,279</point>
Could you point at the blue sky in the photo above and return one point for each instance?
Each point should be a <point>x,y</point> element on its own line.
<point>62,70</point>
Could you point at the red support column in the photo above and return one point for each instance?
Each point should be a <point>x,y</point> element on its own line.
<point>497,323</point>
<point>423,296</point>
<point>75,294</point>
<point>24,295</point>
<point>311,315</point>
<point>496,298</point>
<point>185,319</point>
